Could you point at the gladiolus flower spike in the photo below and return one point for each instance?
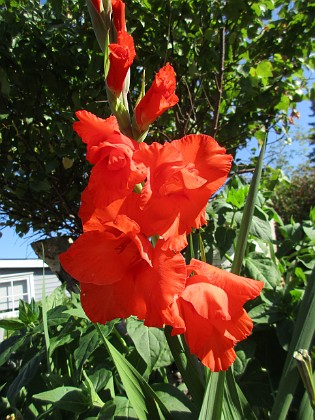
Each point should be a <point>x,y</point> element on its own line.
<point>121,273</point>
<point>137,192</point>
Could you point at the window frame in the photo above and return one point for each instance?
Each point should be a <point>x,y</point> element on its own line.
<point>15,277</point>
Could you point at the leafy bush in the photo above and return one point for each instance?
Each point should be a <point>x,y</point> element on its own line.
<point>75,374</point>
<point>294,198</point>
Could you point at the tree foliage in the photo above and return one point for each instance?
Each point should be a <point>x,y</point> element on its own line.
<point>312,132</point>
<point>239,68</point>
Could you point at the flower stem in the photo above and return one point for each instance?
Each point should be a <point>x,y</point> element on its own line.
<point>248,214</point>
<point>186,364</point>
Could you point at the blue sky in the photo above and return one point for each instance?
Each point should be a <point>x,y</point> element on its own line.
<point>12,246</point>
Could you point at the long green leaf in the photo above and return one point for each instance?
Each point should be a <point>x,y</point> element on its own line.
<point>213,399</point>
<point>11,324</point>
<point>87,345</point>
<point>44,314</point>
<point>303,335</point>
<point>11,345</point>
<point>248,213</point>
<point>142,397</point>
<point>25,375</point>
<point>235,405</point>
<point>185,363</point>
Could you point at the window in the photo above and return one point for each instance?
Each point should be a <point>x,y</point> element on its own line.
<point>14,287</point>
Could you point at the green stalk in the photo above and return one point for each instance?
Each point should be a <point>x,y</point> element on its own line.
<point>100,21</point>
<point>306,412</point>
<point>186,365</point>
<point>303,334</point>
<point>304,364</point>
<point>248,213</point>
<point>202,249</point>
<point>44,311</point>
<point>191,248</point>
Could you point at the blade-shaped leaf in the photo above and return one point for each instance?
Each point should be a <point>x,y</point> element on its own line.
<point>235,406</point>
<point>87,345</point>
<point>142,397</point>
<point>212,403</point>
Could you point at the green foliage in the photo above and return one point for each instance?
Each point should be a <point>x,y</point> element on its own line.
<point>126,369</point>
<point>262,74</point>
<point>283,259</point>
<point>295,197</point>
<point>151,344</point>
<point>93,370</point>
<point>51,65</point>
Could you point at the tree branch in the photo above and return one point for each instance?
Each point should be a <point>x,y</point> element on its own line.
<point>219,82</point>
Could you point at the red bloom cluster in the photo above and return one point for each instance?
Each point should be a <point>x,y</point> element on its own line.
<point>140,204</point>
<point>137,192</point>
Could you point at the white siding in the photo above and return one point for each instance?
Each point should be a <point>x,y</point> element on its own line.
<point>21,267</point>
<point>51,282</point>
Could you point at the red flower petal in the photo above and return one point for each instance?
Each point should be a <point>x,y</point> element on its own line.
<point>118,300</point>
<point>209,344</point>
<point>160,97</point>
<point>181,177</point>
<point>113,177</point>
<point>121,57</point>
<point>119,15</point>
<point>105,256</point>
<point>161,283</point>
<point>240,289</point>
<point>98,133</point>
<point>211,308</point>
<point>209,158</point>
<point>146,292</point>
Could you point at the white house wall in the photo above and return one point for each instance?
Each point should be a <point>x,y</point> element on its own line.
<point>51,280</point>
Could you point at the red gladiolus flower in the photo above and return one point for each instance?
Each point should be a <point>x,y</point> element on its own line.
<point>121,56</point>
<point>210,313</point>
<point>104,255</point>
<point>118,7</point>
<point>121,274</point>
<point>160,97</point>
<point>98,133</point>
<point>181,177</point>
<point>114,174</point>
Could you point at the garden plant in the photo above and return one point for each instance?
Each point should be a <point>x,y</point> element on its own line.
<point>196,300</point>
